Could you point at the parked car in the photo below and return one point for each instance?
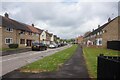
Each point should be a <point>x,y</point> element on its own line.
<point>53,45</point>
<point>39,46</point>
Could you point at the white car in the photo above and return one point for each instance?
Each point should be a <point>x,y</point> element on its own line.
<point>52,46</point>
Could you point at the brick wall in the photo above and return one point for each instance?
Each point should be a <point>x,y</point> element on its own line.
<point>111,32</point>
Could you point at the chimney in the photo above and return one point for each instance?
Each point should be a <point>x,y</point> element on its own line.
<point>98,26</point>
<point>109,19</point>
<point>6,15</point>
<point>93,30</point>
<point>33,25</point>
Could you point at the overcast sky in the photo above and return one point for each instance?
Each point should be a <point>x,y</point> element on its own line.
<point>67,19</point>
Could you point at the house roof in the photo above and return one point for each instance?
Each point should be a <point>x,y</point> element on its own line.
<point>40,30</point>
<point>7,22</point>
<point>33,29</point>
<point>100,28</point>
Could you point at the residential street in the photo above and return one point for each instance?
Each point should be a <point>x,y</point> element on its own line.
<point>15,61</point>
<point>75,67</point>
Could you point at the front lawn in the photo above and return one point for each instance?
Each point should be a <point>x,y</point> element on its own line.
<point>91,54</point>
<point>50,63</point>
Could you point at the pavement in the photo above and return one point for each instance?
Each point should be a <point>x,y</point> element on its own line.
<point>12,62</point>
<point>75,67</point>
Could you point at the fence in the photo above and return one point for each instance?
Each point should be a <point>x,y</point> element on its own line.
<point>108,67</point>
<point>115,45</point>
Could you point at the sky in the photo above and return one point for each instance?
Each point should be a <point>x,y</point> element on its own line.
<point>66,19</point>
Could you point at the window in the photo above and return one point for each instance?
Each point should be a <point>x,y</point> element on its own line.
<point>29,33</point>
<point>22,32</point>
<point>98,33</point>
<point>22,41</point>
<point>100,41</point>
<point>8,40</point>
<point>9,29</point>
<point>32,34</point>
<point>37,34</point>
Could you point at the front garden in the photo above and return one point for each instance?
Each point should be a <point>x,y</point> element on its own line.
<point>91,54</point>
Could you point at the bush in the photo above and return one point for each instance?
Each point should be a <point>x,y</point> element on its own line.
<point>13,45</point>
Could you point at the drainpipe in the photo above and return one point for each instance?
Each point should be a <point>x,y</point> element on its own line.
<point>39,38</point>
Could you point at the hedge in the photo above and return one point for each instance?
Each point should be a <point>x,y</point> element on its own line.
<point>13,45</point>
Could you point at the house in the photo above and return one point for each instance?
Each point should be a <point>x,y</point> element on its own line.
<point>35,33</point>
<point>107,32</point>
<point>79,40</point>
<point>16,32</point>
<point>42,35</point>
<point>48,38</point>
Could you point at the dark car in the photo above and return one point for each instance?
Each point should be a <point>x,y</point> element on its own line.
<point>39,46</point>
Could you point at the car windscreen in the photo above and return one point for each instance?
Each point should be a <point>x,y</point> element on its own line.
<point>34,44</point>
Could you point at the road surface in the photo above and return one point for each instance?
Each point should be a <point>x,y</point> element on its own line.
<point>15,61</point>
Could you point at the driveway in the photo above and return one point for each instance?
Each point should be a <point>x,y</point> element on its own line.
<point>73,68</point>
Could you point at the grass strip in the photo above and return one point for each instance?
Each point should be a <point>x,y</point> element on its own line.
<point>91,55</point>
<point>50,63</point>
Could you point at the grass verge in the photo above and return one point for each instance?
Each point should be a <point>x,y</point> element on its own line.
<point>50,63</point>
<point>91,54</point>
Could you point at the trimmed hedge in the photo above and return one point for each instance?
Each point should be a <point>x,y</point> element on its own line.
<point>13,45</point>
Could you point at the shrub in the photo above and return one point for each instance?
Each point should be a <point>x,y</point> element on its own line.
<point>13,45</point>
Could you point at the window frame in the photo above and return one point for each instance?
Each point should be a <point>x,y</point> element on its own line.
<point>9,29</point>
<point>21,42</point>
<point>10,41</point>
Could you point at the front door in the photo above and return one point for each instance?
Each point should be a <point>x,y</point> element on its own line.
<point>29,42</point>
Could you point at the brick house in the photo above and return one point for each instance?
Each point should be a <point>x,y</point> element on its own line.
<point>16,32</point>
<point>107,32</point>
<point>79,39</point>
<point>13,32</point>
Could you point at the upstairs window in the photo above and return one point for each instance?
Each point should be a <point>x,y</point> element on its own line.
<point>29,33</point>
<point>42,35</point>
<point>37,34</point>
<point>22,32</point>
<point>9,29</point>
<point>98,33</point>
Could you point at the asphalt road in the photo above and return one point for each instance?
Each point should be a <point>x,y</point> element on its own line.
<point>73,69</point>
<point>15,61</point>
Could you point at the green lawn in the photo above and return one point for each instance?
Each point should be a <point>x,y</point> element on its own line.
<point>91,54</point>
<point>10,49</point>
<point>50,63</point>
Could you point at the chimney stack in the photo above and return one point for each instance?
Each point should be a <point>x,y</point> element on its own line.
<point>6,15</point>
<point>109,19</point>
<point>98,26</point>
<point>33,25</point>
<point>93,30</point>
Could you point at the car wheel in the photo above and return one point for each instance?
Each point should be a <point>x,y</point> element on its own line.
<point>32,49</point>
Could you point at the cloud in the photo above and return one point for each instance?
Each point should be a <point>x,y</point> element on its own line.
<point>65,19</point>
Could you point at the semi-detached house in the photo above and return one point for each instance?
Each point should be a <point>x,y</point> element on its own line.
<point>109,31</point>
<point>16,32</point>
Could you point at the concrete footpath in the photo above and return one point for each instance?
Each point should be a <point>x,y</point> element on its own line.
<point>73,68</point>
